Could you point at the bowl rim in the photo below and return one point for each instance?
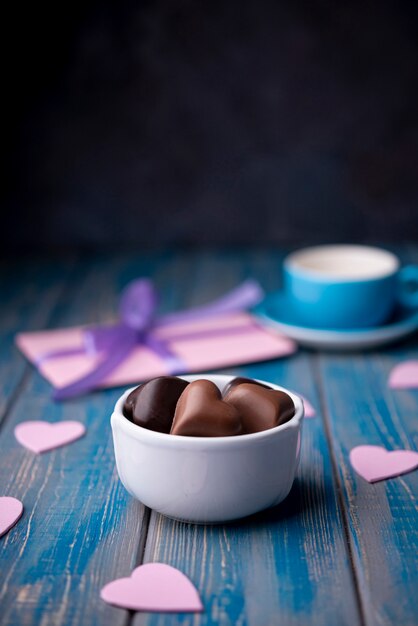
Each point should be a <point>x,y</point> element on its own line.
<point>118,420</point>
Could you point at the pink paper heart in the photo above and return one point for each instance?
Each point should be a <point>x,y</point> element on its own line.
<point>375,463</point>
<point>40,436</point>
<point>309,410</point>
<point>153,587</point>
<point>404,375</point>
<point>11,510</point>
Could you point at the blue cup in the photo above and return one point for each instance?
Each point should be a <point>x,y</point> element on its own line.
<point>347,286</point>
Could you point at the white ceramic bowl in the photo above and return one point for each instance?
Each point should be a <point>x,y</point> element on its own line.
<point>207,479</point>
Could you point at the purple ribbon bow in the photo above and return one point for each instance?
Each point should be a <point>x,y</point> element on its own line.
<point>137,324</point>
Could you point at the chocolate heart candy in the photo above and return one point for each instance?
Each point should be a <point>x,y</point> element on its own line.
<point>240,380</point>
<point>260,408</point>
<point>201,412</point>
<point>152,405</point>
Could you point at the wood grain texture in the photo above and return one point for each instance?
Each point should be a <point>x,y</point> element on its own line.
<point>29,294</point>
<point>332,553</point>
<point>277,567</point>
<point>383,517</point>
<point>79,529</point>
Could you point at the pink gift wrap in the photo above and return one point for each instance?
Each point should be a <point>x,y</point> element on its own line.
<point>241,340</point>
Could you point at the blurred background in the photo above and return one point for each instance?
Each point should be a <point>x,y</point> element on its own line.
<point>144,124</point>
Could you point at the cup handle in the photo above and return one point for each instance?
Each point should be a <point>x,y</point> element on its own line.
<point>408,286</point>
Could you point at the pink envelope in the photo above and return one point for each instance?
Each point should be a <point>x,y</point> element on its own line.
<point>241,340</point>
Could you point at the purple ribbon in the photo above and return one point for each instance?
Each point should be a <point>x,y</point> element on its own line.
<point>138,324</point>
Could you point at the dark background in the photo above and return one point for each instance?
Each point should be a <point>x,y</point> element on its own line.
<point>166,123</point>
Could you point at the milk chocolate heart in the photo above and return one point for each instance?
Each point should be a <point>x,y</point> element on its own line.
<point>201,412</point>
<point>240,380</point>
<point>260,408</point>
<point>152,404</point>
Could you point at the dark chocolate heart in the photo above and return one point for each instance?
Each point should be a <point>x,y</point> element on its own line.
<point>152,405</point>
<point>201,412</point>
<point>260,408</point>
<point>240,380</point>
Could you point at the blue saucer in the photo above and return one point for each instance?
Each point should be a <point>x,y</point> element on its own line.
<point>276,311</point>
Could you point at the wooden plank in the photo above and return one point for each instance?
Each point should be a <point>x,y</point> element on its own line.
<point>80,529</point>
<point>285,566</point>
<point>383,517</point>
<point>30,291</point>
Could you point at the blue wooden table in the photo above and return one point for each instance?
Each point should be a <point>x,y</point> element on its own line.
<point>338,551</point>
